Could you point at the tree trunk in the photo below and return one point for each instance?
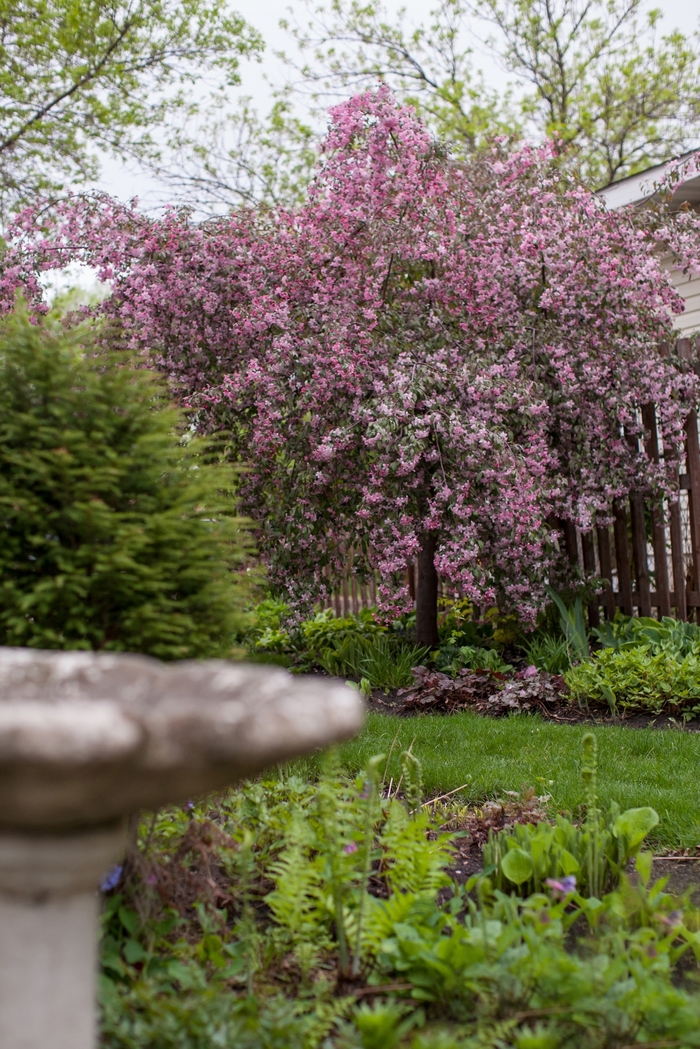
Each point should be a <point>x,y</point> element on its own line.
<point>427,592</point>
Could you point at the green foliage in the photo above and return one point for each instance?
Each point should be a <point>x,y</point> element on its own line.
<point>637,679</point>
<point>457,625</point>
<point>355,646</point>
<point>76,75</point>
<point>573,626</point>
<point>451,659</point>
<point>118,533</point>
<point>242,925</point>
<point>526,856</point>
<point>666,635</point>
<point>548,652</point>
<point>383,662</point>
<point>594,855</point>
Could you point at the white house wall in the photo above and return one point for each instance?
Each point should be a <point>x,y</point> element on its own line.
<point>688,285</point>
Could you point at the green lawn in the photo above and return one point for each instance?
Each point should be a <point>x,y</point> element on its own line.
<point>636,766</point>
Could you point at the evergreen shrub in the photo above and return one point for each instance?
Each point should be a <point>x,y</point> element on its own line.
<point>118,531</point>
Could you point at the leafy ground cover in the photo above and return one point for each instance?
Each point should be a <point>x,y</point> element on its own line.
<point>325,915</point>
<point>625,666</point>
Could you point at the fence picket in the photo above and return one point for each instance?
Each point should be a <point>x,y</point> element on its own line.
<point>622,558</point>
<point>658,530</point>
<point>677,561</point>
<point>588,549</point>
<point>605,558</point>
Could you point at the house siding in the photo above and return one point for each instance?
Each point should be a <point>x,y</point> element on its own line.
<point>688,286</point>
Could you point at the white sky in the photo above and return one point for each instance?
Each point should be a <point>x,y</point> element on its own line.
<point>125,181</point>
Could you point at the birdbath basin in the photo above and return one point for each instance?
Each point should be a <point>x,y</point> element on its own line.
<point>86,739</point>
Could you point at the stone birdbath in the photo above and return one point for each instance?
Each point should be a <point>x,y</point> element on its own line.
<point>87,739</point>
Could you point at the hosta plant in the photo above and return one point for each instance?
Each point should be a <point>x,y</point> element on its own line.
<point>638,678</point>
<point>589,858</point>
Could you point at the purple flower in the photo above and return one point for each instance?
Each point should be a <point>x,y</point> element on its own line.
<point>563,887</point>
<point>350,847</point>
<point>152,879</point>
<point>110,880</point>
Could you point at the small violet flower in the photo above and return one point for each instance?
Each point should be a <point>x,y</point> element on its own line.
<point>563,887</point>
<point>110,880</point>
<point>350,847</point>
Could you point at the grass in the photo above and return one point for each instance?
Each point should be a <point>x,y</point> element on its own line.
<point>636,766</point>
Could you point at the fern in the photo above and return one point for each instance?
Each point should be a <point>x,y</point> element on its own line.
<point>414,863</point>
<point>297,902</point>
<point>412,776</point>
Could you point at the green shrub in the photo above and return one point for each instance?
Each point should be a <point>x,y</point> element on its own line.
<point>327,632</point>
<point>637,679</point>
<point>118,531</point>
<point>668,635</point>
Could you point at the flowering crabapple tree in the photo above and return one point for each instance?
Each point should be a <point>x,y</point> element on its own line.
<point>427,360</point>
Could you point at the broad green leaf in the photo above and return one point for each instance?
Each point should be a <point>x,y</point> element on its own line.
<point>643,864</point>
<point>568,863</point>
<point>635,824</point>
<point>517,866</point>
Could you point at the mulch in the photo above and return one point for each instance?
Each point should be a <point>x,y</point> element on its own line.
<point>493,694</point>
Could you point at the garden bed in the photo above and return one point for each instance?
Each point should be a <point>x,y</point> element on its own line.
<point>347,913</point>
<point>486,694</point>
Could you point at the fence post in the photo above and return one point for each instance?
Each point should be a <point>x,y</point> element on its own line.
<point>588,548</point>
<point>622,557</point>
<point>639,552</point>
<point>606,569</point>
<point>658,530</point>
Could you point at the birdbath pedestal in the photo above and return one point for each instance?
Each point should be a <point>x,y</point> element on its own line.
<point>87,739</point>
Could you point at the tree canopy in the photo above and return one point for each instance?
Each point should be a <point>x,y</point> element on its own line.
<point>427,358</point>
<point>77,76</point>
<point>599,77</point>
<point>603,79</point>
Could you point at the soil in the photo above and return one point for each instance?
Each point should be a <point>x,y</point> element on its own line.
<point>683,873</point>
<point>402,703</point>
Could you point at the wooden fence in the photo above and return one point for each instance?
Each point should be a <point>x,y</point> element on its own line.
<point>651,553</point>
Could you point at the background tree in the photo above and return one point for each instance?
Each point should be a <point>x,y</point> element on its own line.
<point>226,155</point>
<point>597,76</point>
<point>118,533</point>
<point>424,361</point>
<point>77,76</point>
<point>603,80</point>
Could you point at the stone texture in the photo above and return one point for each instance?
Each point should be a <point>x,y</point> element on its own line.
<point>86,738</point>
<point>48,936</point>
